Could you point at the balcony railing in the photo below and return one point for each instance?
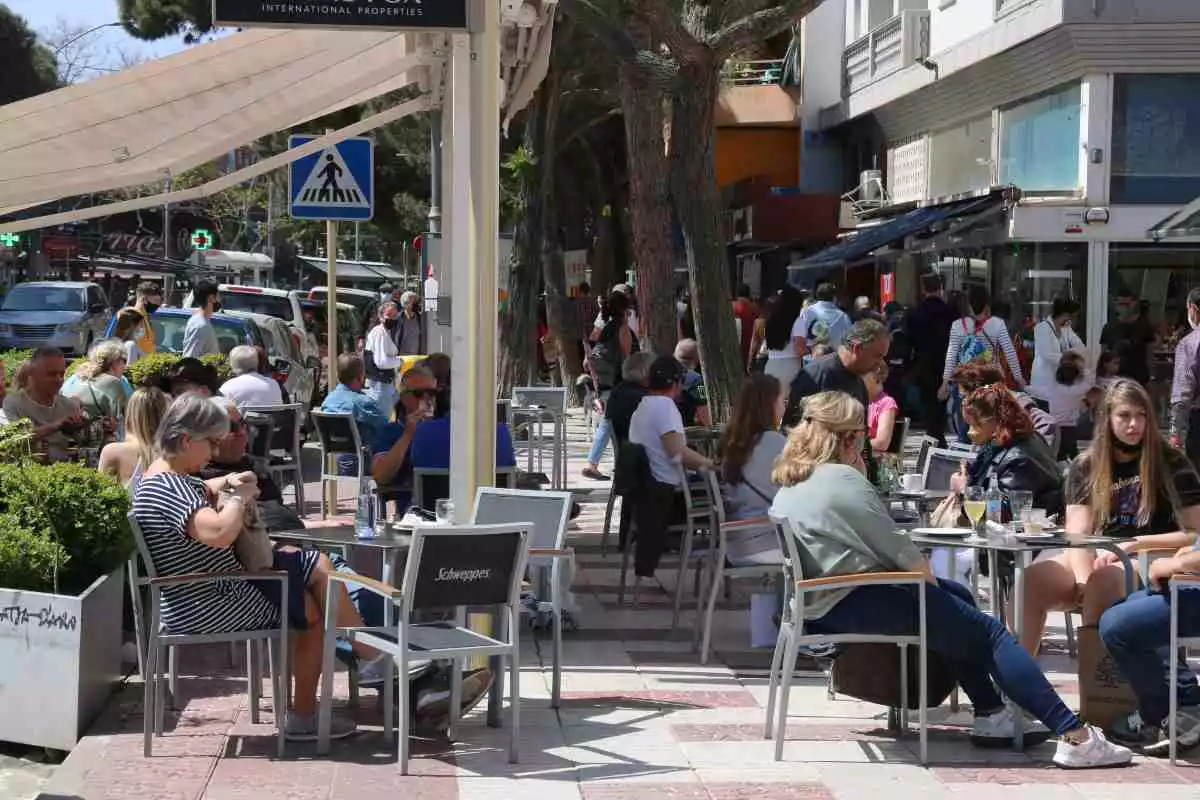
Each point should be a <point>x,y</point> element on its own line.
<point>889,48</point>
<point>752,73</point>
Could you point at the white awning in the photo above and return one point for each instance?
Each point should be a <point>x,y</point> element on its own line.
<point>160,118</point>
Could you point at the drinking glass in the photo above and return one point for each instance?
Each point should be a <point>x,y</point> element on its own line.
<point>975,505</point>
<point>1022,507</point>
<point>443,509</point>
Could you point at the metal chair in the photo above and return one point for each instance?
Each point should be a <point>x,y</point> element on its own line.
<point>548,513</point>
<point>796,562</point>
<point>1177,581</point>
<point>431,484</point>
<point>281,445</point>
<point>940,466</point>
<point>447,567</point>
<point>159,641</point>
<point>699,516</point>
<point>539,404</point>
<point>338,435</point>
<point>720,571</point>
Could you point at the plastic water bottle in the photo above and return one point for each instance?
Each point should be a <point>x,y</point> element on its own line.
<point>995,502</point>
<point>368,505</point>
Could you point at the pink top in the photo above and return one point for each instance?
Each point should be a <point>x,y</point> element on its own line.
<point>878,406</point>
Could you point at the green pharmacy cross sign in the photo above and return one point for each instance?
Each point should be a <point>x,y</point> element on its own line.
<point>10,239</point>
<point>201,239</point>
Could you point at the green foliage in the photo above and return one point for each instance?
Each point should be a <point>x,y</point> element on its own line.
<point>159,19</point>
<point>221,365</point>
<point>16,442</point>
<point>27,66</point>
<point>153,369</point>
<point>28,559</point>
<point>13,359</point>
<point>78,514</point>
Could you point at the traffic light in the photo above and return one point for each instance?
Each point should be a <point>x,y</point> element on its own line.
<point>10,239</point>
<point>201,239</point>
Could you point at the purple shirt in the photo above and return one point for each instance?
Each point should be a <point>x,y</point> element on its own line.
<point>1184,395</point>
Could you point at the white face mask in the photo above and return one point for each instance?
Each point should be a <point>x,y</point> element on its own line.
<point>138,333</point>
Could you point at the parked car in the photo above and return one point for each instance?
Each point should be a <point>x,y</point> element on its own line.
<point>349,337</point>
<point>169,324</point>
<point>298,376</point>
<point>62,314</point>
<point>282,304</point>
<point>365,303</point>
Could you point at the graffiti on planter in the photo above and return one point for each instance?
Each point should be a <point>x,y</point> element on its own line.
<point>41,618</point>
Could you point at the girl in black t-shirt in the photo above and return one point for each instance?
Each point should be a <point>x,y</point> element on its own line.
<point>1130,484</point>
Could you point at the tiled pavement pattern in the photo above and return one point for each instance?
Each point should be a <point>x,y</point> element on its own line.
<point>641,718</point>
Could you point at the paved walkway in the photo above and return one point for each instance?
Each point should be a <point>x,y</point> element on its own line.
<point>641,718</point>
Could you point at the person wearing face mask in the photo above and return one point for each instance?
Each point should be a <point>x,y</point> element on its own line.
<point>845,529</point>
<point>1132,336</point>
<point>147,299</point>
<point>199,337</point>
<point>1052,337</point>
<point>381,358</point>
<point>1185,399</point>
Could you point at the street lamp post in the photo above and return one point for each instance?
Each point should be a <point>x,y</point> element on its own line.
<point>88,32</point>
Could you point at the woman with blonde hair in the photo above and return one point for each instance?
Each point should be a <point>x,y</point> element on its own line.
<point>99,388</point>
<point>126,460</point>
<point>844,528</point>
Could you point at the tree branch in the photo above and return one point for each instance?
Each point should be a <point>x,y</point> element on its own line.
<point>752,29</point>
<point>666,23</point>
<point>587,126</point>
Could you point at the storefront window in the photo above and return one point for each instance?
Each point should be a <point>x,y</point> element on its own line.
<point>1156,138</point>
<point>1039,142</point>
<point>1031,276</point>
<point>960,159</point>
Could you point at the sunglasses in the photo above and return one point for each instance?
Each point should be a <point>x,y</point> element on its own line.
<point>420,394</point>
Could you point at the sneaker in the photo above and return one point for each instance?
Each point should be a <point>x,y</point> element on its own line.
<point>303,728</point>
<point>435,703</point>
<point>594,474</point>
<point>1093,752</point>
<point>371,673</point>
<point>1132,731</point>
<point>1187,722</point>
<point>996,730</point>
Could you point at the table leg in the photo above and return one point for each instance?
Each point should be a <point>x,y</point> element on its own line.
<point>1018,604</point>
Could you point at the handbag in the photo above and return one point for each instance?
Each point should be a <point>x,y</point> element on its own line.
<point>949,513</point>
<point>871,672</point>
<point>252,546</point>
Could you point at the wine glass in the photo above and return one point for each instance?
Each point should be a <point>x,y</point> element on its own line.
<point>443,509</point>
<point>975,505</point>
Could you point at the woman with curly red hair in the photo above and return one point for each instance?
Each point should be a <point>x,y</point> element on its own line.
<point>1011,451</point>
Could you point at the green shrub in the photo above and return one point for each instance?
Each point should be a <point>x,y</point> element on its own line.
<point>28,558</point>
<point>74,508</point>
<point>152,370</point>
<point>16,441</point>
<point>12,359</point>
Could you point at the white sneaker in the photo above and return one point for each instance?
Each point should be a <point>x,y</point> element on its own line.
<point>1093,753</point>
<point>997,728</point>
<point>371,673</point>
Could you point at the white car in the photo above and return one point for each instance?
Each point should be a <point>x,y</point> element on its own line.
<point>283,304</point>
<point>298,374</point>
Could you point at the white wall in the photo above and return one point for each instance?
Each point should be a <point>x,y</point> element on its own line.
<point>823,32</point>
<point>955,21</point>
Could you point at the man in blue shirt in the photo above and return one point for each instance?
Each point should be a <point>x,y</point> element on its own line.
<point>392,467</point>
<point>348,398</point>
<point>430,448</point>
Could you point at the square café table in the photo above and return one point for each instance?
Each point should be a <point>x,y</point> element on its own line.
<point>1023,551</point>
<point>392,543</point>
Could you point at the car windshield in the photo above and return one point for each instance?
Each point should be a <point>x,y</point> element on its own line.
<point>43,298</point>
<point>361,302</point>
<point>168,332</point>
<point>271,305</point>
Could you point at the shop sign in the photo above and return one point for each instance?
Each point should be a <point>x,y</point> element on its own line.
<point>1073,221</point>
<point>1096,216</point>
<point>447,15</point>
<point>887,288</point>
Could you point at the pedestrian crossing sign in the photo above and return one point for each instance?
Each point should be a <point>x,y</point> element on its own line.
<point>336,183</point>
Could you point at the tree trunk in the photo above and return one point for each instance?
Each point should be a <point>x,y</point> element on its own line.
<point>698,205</point>
<point>603,255</point>
<point>558,312</point>
<point>518,328</point>
<point>642,105</point>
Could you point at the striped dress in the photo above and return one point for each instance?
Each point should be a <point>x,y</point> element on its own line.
<point>162,505</point>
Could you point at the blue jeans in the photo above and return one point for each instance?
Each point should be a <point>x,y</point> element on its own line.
<point>1137,634</point>
<point>976,645</point>
<point>603,434</point>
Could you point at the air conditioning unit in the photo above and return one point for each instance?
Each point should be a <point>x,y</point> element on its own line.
<point>870,187</point>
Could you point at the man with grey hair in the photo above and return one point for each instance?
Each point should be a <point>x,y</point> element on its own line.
<point>693,401</point>
<point>863,349</point>
<point>248,387</point>
<point>627,394</point>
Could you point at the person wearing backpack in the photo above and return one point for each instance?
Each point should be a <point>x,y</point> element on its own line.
<point>978,338</point>
<point>822,322</point>
<point>611,345</point>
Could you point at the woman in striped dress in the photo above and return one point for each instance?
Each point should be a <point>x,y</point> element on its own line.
<point>185,533</point>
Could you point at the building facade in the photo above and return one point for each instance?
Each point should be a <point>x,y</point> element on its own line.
<point>1078,119</point>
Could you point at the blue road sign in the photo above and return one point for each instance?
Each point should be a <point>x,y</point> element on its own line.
<point>336,183</point>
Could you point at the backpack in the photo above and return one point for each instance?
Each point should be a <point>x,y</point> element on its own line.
<point>605,355</point>
<point>976,346</point>
<point>827,327</point>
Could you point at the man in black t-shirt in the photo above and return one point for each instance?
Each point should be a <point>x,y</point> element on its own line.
<point>1131,335</point>
<point>625,397</point>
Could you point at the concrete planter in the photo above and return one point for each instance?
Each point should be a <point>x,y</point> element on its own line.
<point>59,659</point>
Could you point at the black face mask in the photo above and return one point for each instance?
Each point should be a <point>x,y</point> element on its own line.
<point>1127,449</point>
<point>152,307</point>
<point>216,307</point>
<point>390,323</point>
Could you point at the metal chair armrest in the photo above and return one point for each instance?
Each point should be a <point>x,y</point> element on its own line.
<point>744,524</point>
<point>375,587</point>
<point>1186,579</point>
<point>201,577</point>
<point>862,579</point>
